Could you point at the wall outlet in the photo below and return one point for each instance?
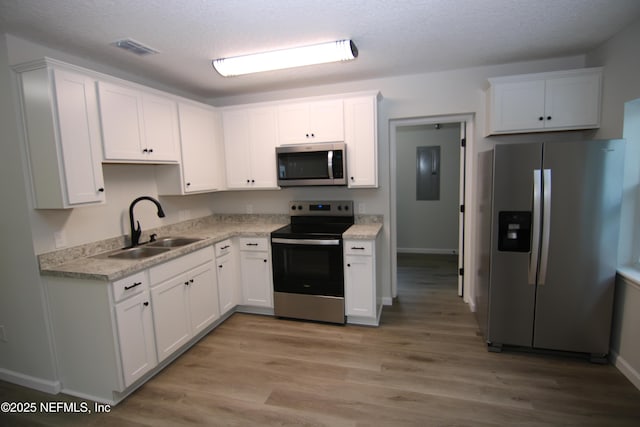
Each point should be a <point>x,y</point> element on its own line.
<point>3,334</point>
<point>60,239</point>
<point>362,208</point>
<point>249,208</point>
<point>184,215</point>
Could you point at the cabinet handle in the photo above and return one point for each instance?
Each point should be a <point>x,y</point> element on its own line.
<point>101,190</point>
<point>225,247</point>
<point>357,248</point>
<point>126,288</point>
<point>353,179</point>
<point>307,135</point>
<point>150,150</point>
<point>145,151</point>
<point>188,184</point>
<point>541,118</point>
<point>190,280</point>
<point>264,260</point>
<point>348,265</point>
<point>146,303</point>
<point>220,266</point>
<point>252,244</point>
<point>548,117</point>
<point>253,180</point>
<point>313,135</point>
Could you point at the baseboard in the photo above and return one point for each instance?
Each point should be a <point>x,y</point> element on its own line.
<point>427,251</point>
<point>626,369</point>
<point>46,386</point>
<point>387,301</point>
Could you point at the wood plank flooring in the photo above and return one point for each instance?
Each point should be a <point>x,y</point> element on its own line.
<point>426,365</point>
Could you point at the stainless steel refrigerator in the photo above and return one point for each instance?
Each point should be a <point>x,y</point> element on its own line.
<point>554,225</point>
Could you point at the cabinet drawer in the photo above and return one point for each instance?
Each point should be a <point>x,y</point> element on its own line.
<point>130,285</point>
<point>223,248</point>
<point>358,247</point>
<point>169,269</point>
<point>254,244</point>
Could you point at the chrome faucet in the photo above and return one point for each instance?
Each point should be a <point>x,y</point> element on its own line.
<point>137,231</point>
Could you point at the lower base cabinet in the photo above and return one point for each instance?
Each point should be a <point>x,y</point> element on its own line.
<point>255,271</point>
<point>185,303</point>
<point>363,300</point>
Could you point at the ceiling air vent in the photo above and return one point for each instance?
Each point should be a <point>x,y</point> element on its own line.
<point>134,47</point>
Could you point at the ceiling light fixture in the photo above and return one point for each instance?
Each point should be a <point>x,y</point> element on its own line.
<point>341,50</point>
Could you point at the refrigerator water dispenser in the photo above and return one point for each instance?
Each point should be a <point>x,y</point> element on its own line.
<point>514,230</point>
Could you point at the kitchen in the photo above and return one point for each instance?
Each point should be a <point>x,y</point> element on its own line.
<point>418,95</point>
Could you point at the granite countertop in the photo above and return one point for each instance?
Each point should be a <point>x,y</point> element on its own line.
<point>86,262</point>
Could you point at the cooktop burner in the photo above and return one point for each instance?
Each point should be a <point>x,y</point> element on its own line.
<point>317,219</point>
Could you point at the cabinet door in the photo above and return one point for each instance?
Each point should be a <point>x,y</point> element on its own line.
<point>256,279</point>
<point>236,148</point>
<point>326,121</point>
<point>263,137</point>
<point>203,297</point>
<point>359,286</point>
<point>518,106</point>
<point>199,148</point>
<point>573,101</point>
<point>293,124</point>
<point>136,337</point>
<point>227,289</point>
<point>361,140</point>
<point>122,122</point>
<point>170,315</point>
<point>160,117</point>
<point>77,115</point>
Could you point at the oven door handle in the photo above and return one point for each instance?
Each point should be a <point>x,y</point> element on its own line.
<point>312,242</point>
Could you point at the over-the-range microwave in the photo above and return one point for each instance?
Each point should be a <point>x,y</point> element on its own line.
<point>312,164</point>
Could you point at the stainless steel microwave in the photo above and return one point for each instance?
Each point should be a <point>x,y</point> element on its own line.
<point>311,164</point>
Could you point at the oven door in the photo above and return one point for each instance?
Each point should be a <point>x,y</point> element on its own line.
<point>308,266</point>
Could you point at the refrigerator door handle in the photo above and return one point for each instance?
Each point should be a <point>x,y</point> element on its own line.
<point>535,234</point>
<point>546,225</point>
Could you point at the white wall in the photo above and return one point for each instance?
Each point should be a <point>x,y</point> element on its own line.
<point>428,226</point>
<point>27,356</point>
<point>621,91</point>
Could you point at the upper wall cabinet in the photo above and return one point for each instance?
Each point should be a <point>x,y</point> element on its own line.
<point>565,100</point>
<point>137,126</point>
<point>250,138</point>
<point>61,120</point>
<point>201,167</point>
<point>361,139</point>
<point>318,121</point>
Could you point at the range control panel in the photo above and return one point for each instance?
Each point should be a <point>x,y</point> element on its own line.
<point>321,208</point>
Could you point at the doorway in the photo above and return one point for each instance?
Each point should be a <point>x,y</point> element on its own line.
<point>398,129</point>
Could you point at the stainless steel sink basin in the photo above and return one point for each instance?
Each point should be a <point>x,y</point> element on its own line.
<point>136,253</point>
<point>172,242</point>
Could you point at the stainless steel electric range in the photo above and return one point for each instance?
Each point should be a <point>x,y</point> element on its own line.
<point>308,270</point>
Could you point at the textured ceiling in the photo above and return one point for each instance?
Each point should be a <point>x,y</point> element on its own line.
<point>393,36</point>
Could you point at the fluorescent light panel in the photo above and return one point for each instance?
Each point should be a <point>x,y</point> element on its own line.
<point>341,50</point>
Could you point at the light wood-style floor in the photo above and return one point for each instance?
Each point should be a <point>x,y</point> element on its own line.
<point>425,365</point>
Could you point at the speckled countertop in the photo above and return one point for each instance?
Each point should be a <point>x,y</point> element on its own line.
<point>86,262</point>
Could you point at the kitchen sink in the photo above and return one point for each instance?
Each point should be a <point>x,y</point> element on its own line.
<point>171,242</point>
<point>136,253</point>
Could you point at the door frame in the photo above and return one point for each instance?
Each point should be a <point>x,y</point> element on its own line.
<point>466,125</point>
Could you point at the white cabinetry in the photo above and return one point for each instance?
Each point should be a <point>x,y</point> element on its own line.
<point>565,100</point>
<point>60,113</point>
<point>255,269</point>
<point>185,299</point>
<point>361,138</point>
<point>250,138</point>
<point>317,121</point>
<point>103,334</point>
<point>202,153</point>
<point>135,327</point>
<point>228,284</point>
<point>137,126</point>
<point>363,300</point>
